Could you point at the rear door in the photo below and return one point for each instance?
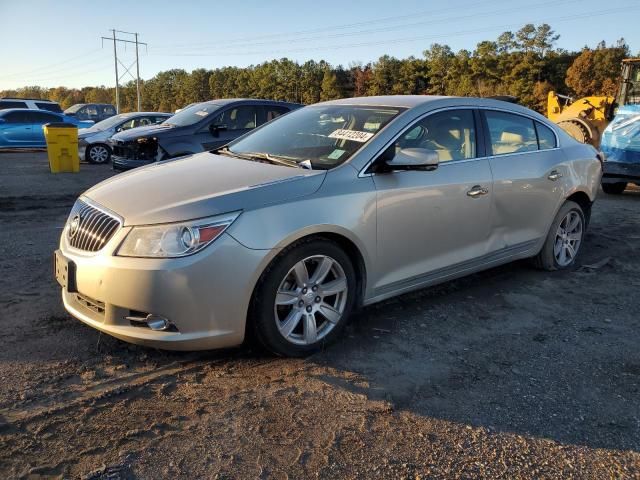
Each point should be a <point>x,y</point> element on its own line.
<point>16,131</point>
<point>431,223</point>
<point>38,119</point>
<point>526,166</point>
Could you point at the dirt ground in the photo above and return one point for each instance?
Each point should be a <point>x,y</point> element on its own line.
<point>511,373</point>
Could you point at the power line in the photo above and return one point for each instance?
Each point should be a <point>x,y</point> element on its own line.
<point>54,65</point>
<point>127,70</point>
<point>396,27</point>
<point>403,39</point>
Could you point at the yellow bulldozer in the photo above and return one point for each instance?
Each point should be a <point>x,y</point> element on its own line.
<point>586,118</point>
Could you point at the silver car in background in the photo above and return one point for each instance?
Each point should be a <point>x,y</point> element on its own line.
<point>284,232</point>
<point>92,142</point>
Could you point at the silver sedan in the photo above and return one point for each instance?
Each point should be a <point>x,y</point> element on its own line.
<point>92,142</point>
<point>287,230</point>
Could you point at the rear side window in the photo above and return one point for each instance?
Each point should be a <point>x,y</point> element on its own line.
<point>51,107</point>
<point>42,117</point>
<point>239,118</point>
<point>510,133</point>
<point>546,137</point>
<point>108,110</point>
<point>4,104</point>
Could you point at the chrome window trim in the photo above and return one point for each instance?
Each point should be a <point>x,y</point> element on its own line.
<point>504,110</point>
<point>362,173</point>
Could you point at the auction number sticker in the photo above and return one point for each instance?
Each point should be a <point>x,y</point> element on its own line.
<point>354,135</point>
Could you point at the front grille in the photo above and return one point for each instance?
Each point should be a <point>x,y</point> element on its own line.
<point>88,228</point>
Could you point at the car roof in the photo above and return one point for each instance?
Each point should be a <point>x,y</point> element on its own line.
<point>227,101</point>
<point>406,101</point>
<point>32,99</point>
<point>29,110</point>
<point>133,114</point>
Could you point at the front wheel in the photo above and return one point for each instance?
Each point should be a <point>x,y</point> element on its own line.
<point>614,188</point>
<point>98,154</point>
<point>564,239</point>
<point>303,299</point>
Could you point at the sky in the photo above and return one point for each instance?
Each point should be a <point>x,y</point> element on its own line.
<point>57,43</point>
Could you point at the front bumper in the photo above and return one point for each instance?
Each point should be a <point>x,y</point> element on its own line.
<point>206,295</point>
<point>615,172</point>
<point>122,164</point>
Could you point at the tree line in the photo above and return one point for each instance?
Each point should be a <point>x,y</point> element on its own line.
<point>525,64</point>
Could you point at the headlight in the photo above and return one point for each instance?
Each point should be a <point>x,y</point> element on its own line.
<point>174,239</point>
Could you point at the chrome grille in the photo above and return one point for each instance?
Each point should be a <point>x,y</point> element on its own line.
<point>89,228</point>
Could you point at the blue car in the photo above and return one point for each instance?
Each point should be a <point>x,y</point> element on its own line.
<point>22,127</point>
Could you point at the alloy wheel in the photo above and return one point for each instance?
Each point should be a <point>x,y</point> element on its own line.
<point>98,154</point>
<point>311,300</point>
<point>568,238</point>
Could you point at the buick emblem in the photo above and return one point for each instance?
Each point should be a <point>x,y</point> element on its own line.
<point>74,226</point>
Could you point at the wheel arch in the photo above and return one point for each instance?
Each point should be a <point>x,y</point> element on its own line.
<point>348,244</point>
<point>582,199</point>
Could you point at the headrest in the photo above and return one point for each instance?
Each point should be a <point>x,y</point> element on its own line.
<point>511,137</point>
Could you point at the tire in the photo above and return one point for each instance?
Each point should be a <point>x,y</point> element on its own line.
<point>287,329</point>
<point>555,252</point>
<point>614,188</point>
<point>98,154</point>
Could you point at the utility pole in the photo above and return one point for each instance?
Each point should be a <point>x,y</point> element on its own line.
<point>137,74</point>
<point>127,70</point>
<point>115,62</point>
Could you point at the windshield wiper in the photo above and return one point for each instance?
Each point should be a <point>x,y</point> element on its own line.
<point>275,159</point>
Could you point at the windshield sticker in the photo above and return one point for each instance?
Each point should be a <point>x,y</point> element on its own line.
<point>353,135</point>
<point>202,113</point>
<point>336,154</point>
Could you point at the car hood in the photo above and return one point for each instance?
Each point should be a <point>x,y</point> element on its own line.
<point>138,132</point>
<point>199,186</point>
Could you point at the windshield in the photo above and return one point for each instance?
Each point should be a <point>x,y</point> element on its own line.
<point>110,122</point>
<point>192,115</point>
<point>324,136</point>
<point>74,108</point>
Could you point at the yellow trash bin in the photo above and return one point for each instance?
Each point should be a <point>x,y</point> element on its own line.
<point>62,147</point>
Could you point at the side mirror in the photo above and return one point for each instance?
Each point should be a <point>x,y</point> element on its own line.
<point>414,159</point>
<point>216,129</point>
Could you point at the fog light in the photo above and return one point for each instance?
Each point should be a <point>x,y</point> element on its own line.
<point>154,322</point>
<point>157,323</point>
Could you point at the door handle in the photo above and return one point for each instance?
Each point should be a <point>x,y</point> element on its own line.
<point>554,175</point>
<point>476,191</point>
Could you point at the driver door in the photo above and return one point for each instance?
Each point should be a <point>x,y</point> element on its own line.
<point>433,223</point>
<point>231,123</point>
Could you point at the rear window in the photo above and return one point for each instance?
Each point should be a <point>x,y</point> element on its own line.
<point>546,137</point>
<point>511,133</point>
<point>49,106</point>
<point>4,104</point>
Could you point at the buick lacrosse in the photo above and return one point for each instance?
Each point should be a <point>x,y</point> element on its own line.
<point>282,233</point>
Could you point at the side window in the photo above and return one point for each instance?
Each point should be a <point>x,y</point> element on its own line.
<point>546,137</point>
<point>142,122</point>
<point>42,117</point>
<point>271,112</point>
<point>12,104</point>
<point>52,107</point>
<point>16,117</point>
<point>127,125</point>
<point>159,119</point>
<point>91,112</point>
<point>109,111</point>
<point>451,134</point>
<point>510,133</point>
<point>238,118</point>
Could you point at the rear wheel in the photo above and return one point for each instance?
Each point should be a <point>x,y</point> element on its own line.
<point>98,153</point>
<point>614,188</point>
<point>564,239</point>
<point>303,300</point>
